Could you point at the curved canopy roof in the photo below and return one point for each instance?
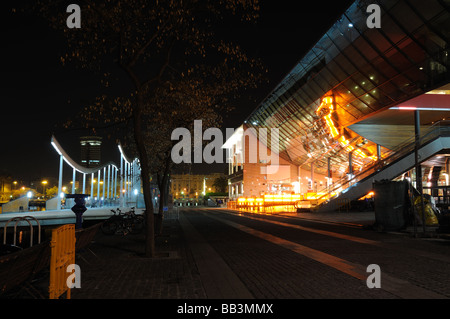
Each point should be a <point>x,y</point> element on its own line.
<point>366,70</point>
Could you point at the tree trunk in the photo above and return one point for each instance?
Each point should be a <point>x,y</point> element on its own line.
<point>145,174</point>
<point>159,216</point>
<point>163,193</point>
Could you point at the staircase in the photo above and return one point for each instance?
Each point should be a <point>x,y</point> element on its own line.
<point>432,142</point>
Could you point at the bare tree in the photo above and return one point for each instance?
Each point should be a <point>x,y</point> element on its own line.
<point>155,45</point>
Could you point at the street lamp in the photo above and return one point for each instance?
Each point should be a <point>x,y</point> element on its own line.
<point>44,183</point>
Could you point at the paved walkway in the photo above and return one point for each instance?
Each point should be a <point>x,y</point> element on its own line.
<point>186,266</point>
<point>114,267</point>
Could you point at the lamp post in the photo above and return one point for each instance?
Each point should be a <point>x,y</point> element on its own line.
<point>44,183</point>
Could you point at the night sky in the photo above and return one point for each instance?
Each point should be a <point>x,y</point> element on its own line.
<point>38,94</point>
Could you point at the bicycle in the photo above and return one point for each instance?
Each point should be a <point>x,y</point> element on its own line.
<point>123,223</point>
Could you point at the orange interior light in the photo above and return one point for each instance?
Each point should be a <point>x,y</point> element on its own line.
<point>327,102</point>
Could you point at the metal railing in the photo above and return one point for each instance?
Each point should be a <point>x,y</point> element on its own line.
<point>18,220</point>
<point>438,129</point>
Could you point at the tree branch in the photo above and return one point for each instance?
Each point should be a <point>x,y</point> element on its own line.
<point>163,67</point>
<point>132,75</point>
<point>101,14</point>
<point>111,125</point>
<point>146,45</point>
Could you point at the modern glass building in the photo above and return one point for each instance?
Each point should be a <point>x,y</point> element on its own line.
<point>349,103</point>
<point>91,151</point>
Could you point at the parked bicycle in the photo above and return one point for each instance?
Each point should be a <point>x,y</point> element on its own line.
<point>123,223</point>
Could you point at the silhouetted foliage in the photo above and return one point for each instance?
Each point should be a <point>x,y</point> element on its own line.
<point>175,66</point>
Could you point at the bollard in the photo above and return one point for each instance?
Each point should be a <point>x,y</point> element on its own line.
<point>79,208</point>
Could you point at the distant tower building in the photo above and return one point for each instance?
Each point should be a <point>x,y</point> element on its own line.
<point>90,151</point>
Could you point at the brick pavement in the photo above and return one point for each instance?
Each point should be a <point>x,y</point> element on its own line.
<point>411,268</point>
<point>186,268</point>
<point>273,273</point>
<point>119,270</point>
<point>189,268</point>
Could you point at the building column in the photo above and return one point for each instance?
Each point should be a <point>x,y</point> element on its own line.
<point>84,183</point>
<point>419,183</point>
<point>115,182</point>
<point>121,182</point>
<point>130,181</point>
<point>127,182</point>
<point>108,182</point>
<point>61,161</point>
<point>134,176</point>
<point>98,187</point>
<point>73,181</point>
<point>92,188</point>
<point>104,184</point>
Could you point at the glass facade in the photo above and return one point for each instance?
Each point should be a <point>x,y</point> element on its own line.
<point>363,70</point>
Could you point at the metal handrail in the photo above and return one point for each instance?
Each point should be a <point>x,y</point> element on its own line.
<point>404,148</point>
<point>17,220</point>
